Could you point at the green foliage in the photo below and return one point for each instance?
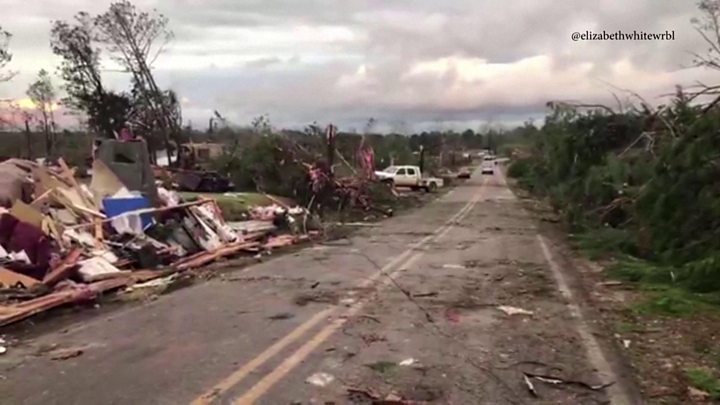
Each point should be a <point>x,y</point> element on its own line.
<point>267,165</point>
<point>598,242</point>
<point>703,379</point>
<point>642,183</point>
<point>629,268</point>
<point>674,302</point>
<point>668,305</point>
<point>701,275</point>
<point>519,169</point>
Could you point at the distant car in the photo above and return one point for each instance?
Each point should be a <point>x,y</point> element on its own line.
<point>464,173</point>
<point>409,176</point>
<point>488,167</point>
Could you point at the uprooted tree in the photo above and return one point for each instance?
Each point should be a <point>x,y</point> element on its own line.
<point>107,111</point>
<point>135,39</point>
<point>43,95</point>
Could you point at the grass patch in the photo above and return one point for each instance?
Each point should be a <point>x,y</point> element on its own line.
<point>235,205</point>
<point>673,301</point>
<point>667,292</point>
<point>631,269</point>
<point>599,242</point>
<point>670,303</point>
<point>703,379</point>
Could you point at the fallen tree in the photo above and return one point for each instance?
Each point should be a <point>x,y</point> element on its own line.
<point>643,182</point>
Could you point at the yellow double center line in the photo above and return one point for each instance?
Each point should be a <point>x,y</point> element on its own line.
<point>406,259</point>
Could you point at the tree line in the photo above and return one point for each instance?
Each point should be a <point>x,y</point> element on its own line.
<point>640,181</point>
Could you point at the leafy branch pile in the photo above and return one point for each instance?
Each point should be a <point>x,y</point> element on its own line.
<point>644,182</point>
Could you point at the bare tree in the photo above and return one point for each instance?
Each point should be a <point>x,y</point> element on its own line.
<point>708,26</point>
<point>261,125</point>
<point>135,39</point>
<point>42,93</point>
<point>5,55</point>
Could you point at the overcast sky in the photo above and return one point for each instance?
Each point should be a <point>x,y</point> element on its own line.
<point>410,64</point>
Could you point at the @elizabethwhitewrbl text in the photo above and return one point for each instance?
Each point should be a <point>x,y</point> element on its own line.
<point>624,36</point>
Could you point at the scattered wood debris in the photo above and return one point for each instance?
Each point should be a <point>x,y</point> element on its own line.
<point>64,354</point>
<point>69,242</point>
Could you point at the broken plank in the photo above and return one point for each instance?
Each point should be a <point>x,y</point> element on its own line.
<point>14,313</point>
<point>103,286</point>
<point>64,269</point>
<point>208,257</point>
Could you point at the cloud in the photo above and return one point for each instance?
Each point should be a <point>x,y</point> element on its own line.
<point>460,61</point>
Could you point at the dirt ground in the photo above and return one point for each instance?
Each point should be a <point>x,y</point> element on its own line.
<point>457,302</point>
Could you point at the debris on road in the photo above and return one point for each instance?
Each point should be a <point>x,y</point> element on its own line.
<point>367,395</point>
<point>529,385</point>
<point>63,241</point>
<point>281,316</point>
<point>320,379</point>
<point>318,296</point>
<point>64,354</point>
<point>370,317</point>
<point>453,266</point>
<point>559,381</point>
<point>698,395</point>
<point>508,310</point>
<point>427,294</point>
<point>407,362</point>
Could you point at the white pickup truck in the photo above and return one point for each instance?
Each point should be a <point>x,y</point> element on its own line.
<point>409,176</point>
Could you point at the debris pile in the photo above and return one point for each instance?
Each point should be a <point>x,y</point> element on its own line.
<point>63,241</point>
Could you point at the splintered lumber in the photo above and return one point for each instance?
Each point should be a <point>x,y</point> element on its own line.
<point>280,241</point>
<point>207,257</point>
<point>69,176</point>
<point>141,276</point>
<point>64,269</point>
<point>102,286</point>
<point>26,309</point>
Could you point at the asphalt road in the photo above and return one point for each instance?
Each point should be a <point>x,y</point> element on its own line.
<point>410,309</point>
